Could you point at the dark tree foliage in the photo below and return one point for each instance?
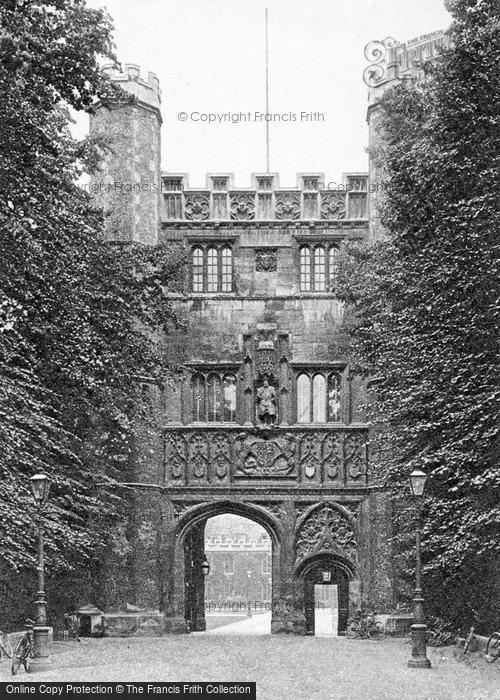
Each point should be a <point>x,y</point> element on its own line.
<point>422,315</point>
<point>73,310</point>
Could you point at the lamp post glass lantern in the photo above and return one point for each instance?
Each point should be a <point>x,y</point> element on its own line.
<point>40,487</point>
<point>419,628</point>
<point>205,566</point>
<point>417,482</point>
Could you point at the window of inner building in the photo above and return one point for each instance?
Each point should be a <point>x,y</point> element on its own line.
<point>319,397</point>
<point>212,269</point>
<point>213,397</point>
<point>197,270</point>
<point>266,564</point>
<point>227,269</point>
<point>318,267</point>
<point>228,564</point>
<point>305,269</point>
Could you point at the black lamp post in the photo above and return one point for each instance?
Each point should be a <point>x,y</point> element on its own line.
<point>419,628</point>
<point>40,486</point>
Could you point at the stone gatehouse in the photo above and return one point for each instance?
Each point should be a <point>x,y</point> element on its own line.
<point>267,420</point>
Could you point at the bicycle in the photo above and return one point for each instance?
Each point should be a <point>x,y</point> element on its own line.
<point>444,635</point>
<point>493,648</point>
<point>429,637</point>
<point>24,650</point>
<point>364,627</point>
<point>5,646</point>
<point>469,639</point>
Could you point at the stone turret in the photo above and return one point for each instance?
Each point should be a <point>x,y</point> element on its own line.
<point>128,185</point>
<point>393,62</point>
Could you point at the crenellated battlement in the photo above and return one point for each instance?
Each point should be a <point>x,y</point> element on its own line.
<point>146,89</point>
<point>265,200</point>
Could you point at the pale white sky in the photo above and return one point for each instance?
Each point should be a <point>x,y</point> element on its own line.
<point>209,57</point>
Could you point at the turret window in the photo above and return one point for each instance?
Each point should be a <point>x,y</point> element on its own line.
<point>212,269</point>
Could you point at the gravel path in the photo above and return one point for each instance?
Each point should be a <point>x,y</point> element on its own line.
<point>285,668</point>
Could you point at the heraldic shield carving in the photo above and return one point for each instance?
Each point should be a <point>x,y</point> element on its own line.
<point>271,458</point>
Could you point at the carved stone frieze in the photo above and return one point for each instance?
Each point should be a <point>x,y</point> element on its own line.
<point>256,456</point>
<point>197,206</point>
<point>287,205</point>
<point>268,450</point>
<point>320,454</point>
<point>326,529</point>
<point>333,205</point>
<point>242,205</point>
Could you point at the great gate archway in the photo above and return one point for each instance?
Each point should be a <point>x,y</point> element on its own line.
<point>189,552</point>
<point>267,419</point>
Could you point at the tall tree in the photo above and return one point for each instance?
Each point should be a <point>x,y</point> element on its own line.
<point>72,309</point>
<point>422,315</point>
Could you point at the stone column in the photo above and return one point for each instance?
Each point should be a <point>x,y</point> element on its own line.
<point>174,591</point>
<point>288,617</point>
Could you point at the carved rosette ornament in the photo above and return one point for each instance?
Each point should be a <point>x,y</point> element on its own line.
<point>333,205</point>
<point>326,529</point>
<point>287,205</point>
<point>197,206</point>
<point>242,205</point>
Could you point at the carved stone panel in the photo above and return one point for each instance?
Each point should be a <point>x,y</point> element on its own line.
<point>242,205</point>
<point>266,259</point>
<point>268,450</point>
<point>331,456</point>
<point>220,455</point>
<point>175,456</point>
<point>326,529</point>
<point>197,206</point>
<point>309,455</point>
<point>355,456</point>
<point>310,205</point>
<point>332,205</point>
<point>257,457</point>
<point>172,205</point>
<point>198,455</point>
<point>287,205</point>
<point>220,205</point>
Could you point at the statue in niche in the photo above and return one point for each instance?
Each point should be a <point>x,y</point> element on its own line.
<point>266,403</point>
